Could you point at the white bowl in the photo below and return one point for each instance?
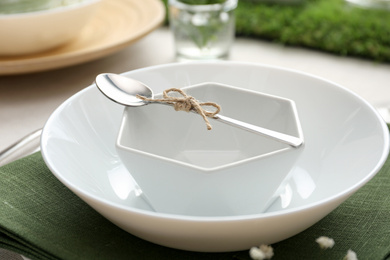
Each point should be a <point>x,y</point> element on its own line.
<point>33,32</point>
<point>346,144</point>
<point>218,172</point>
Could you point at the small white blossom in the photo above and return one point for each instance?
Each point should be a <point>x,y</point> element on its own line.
<point>256,254</point>
<point>351,255</point>
<point>325,242</point>
<point>261,253</point>
<point>268,251</point>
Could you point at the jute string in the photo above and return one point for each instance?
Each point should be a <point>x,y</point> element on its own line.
<point>186,103</point>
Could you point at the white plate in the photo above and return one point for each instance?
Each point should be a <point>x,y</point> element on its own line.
<point>346,144</point>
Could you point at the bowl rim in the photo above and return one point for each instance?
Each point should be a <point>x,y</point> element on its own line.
<point>49,11</point>
<point>209,170</point>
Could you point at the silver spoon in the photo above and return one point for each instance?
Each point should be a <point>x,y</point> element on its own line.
<point>124,91</point>
<point>23,147</point>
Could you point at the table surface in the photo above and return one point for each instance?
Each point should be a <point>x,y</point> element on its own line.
<point>27,101</point>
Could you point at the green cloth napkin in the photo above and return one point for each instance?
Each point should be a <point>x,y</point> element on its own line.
<point>41,219</point>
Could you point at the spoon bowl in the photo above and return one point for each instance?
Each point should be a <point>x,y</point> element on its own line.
<point>123,90</point>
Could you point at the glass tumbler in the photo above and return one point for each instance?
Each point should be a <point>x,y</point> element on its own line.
<point>202,31</point>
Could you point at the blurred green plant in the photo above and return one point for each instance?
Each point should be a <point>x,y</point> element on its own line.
<point>328,25</point>
<point>201,35</point>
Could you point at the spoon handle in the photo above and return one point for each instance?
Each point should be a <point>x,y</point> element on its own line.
<point>277,136</point>
<point>287,139</point>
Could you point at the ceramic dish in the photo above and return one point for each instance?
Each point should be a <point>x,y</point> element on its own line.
<point>217,172</point>
<point>116,24</point>
<point>346,143</point>
<point>42,30</point>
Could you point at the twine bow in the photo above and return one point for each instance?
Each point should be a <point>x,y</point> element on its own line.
<point>186,103</point>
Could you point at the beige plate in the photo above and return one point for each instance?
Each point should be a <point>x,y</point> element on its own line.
<point>117,24</point>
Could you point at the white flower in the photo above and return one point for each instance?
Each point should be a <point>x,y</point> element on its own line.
<point>325,242</point>
<point>351,255</point>
<point>261,253</point>
<point>256,253</point>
